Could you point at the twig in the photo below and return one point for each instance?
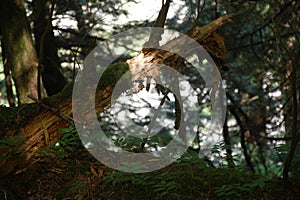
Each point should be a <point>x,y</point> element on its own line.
<point>199,11</point>
<point>45,131</point>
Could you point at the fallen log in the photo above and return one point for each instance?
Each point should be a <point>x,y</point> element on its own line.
<point>31,127</point>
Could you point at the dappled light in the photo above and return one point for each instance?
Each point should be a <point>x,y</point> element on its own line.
<point>168,99</point>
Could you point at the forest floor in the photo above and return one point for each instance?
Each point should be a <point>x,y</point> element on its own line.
<point>75,174</point>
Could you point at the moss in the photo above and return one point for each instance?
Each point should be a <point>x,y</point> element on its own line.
<point>113,74</point>
<point>56,99</point>
<point>14,117</point>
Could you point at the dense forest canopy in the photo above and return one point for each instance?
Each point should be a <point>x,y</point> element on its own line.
<point>255,46</point>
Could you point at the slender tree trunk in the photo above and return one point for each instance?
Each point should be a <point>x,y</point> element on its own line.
<point>46,47</point>
<point>294,123</point>
<point>8,78</point>
<point>19,51</point>
<point>227,142</point>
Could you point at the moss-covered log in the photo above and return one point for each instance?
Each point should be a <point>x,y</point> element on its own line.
<point>30,127</point>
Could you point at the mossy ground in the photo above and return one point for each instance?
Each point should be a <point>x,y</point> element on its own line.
<point>64,174</point>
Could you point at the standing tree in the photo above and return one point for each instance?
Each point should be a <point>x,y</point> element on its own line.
<point>18,48</point>
<point>46,47</point>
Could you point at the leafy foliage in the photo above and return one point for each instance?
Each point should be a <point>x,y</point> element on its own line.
<point>69,142</point>
<point>190,178</point>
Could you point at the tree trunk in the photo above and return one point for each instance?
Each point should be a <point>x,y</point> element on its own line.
<point>8,79</point>
<point>46,48</point>
<point>19,48</point>
<point>36,125</point>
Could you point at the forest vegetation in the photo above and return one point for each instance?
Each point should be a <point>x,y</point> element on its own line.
<point>46,46</point>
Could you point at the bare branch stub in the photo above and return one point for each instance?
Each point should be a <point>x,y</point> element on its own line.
<point>143,65</point>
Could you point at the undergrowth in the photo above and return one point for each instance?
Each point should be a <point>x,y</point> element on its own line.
<point>68,171</point>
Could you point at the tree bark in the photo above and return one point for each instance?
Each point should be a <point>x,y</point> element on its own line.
<point>19,48</point>
<point>46,48</point>
<point>54,113</point>
<point>8,78</point>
